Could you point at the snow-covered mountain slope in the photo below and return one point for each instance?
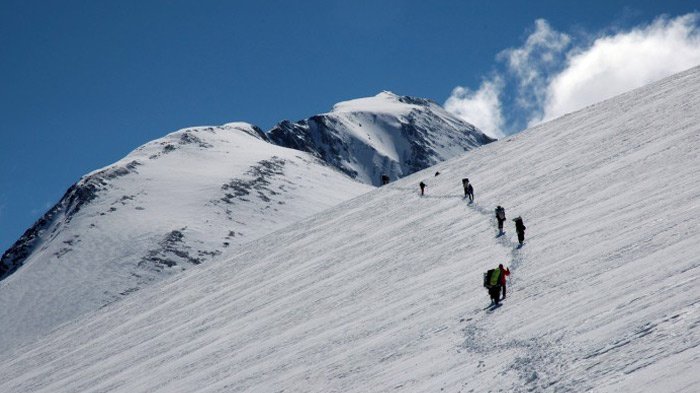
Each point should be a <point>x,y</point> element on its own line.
<point>383,292</point>
<point>197,194</point>
<point>190,197</point>
<point>385,134</point>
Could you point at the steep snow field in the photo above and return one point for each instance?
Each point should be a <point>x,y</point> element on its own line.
<point>383,292</point>
<point>185,199</point>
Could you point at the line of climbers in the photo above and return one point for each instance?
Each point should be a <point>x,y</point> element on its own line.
<point>469,193</point>
<point>494,279</point>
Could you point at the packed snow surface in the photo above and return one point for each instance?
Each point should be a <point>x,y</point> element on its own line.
<point>383,292</point>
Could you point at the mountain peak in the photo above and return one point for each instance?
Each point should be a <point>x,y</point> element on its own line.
<point>384,102</point>
<point>386,134</point>
<point>387,94</point>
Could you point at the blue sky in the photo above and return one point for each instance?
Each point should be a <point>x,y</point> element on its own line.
<point>85,82</point>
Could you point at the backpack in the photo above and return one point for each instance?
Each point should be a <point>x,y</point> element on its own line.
<point>501,214</point>
<point>487,278</point>
<point>495,278</point>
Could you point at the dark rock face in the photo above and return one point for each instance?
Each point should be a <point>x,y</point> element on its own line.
<point>255,186</point>
<point>422,129</point>
<point>416,101</point>
<point>258,182</point>
<point>318,135</point>
<point>14,257</point>
<point>173,250</point>
<point>292,135</point>
<point>77,196</point>
<point>188,138</point>
<point>256,132</point>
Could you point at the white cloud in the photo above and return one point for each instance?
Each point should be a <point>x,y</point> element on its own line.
<point>534,61</point>
<point>624,61</point>
<point>528,67</point>
<point>548,76</point>
<point>481,108</point>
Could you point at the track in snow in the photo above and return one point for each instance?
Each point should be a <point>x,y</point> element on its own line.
<point>539,362</point>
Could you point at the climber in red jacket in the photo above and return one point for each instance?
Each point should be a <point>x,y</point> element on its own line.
<point>504,272</point>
